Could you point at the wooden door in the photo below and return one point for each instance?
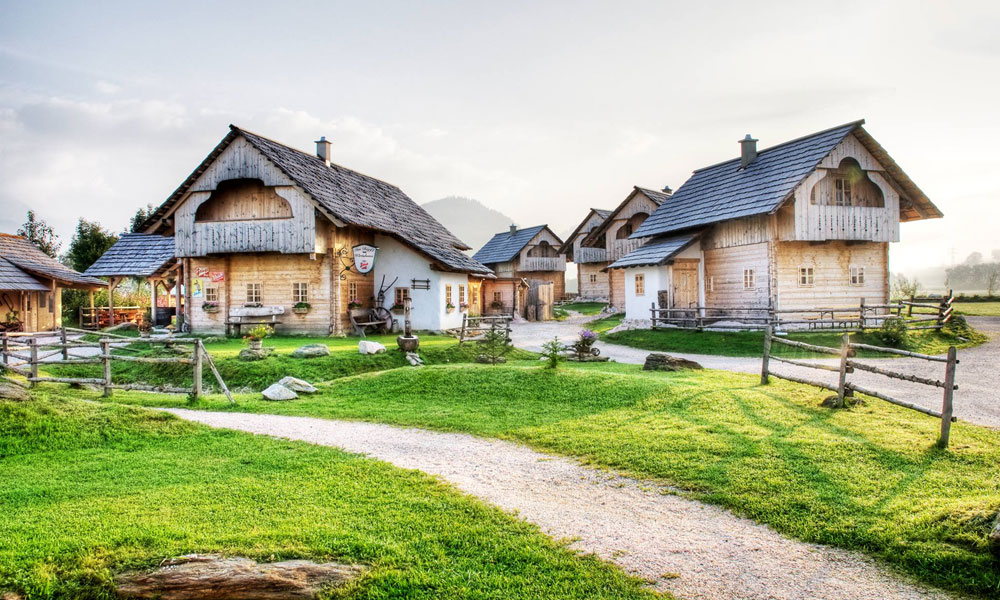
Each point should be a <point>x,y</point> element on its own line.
<point>685,284</point>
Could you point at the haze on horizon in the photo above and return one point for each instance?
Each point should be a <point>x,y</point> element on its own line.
<point>538,110</point>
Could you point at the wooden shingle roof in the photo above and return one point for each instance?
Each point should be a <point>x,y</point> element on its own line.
<point>504,246</point>
<point>12,278</point>
<point>135,255</point>
<point>26,257</point>
<point>656,251</point>
<point>349,197</point>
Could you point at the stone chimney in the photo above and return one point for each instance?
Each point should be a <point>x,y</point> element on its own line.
<point>323,149</point>
<point>513,229</point>
<point>748,150</point>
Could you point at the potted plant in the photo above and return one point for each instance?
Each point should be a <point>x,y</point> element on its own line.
<point>464,306</point>
<point>448,306</point>
<point>585,344</point>
<point>353,304</point>
<point>255,337</point>
<point>253,305</point>
<point>398,308</point>
<point>210,307</point>
<point>301,308</point>
<point>496,304</point>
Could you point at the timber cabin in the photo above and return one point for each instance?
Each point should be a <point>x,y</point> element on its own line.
<point>804,224</point>
<point>522,258</point>
<point>591,261</point>
<point>31,284</point>
<point>615,235</point>
<point>266,233</point>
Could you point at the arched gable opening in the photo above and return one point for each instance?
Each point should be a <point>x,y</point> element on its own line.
<point>543,250</point>
<point>243,200</point>
<point>631,225</point>
<point>847,185</point>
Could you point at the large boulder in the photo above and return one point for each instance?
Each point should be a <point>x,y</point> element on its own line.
<point>276,391</point>
<point>250,354</point>
<point>370,347</point>
<point>12,390</point>
<point>311,351</point>
<point>211,577</point>
<point>664,362</point>
<point>297,385</point>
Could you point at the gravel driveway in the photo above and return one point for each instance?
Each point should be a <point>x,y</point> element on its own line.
<point>978,376</point>
<point>691,549</point>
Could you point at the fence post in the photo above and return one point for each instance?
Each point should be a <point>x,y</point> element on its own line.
<point>33,345</point>
<point>768,332</point>
<point>909,309</point>
<point>949,393</point>
<point>652,314</point>
<point>845,350</point>
<point>461,338</point>
<point>3,337</point>
<point>198,351</point>
<point>106,359</point>
<point>65,350</point>
<point>862,313</point>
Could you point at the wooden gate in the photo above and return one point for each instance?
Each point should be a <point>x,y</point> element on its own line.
<point>538,304</point>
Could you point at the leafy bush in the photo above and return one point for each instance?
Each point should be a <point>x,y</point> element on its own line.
<point>894,333</point>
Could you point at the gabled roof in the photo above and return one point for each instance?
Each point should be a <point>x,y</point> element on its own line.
<point>12,278</point>
<point>135,255</point>
<point>349,197</point>
<point>726,191</point>
<point>504,246</point>
<point>601,213</point>
<point>656,251</point>
<point>656,196</point>
<point>25,256</point>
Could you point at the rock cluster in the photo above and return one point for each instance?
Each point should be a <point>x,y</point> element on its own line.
<point>664,362</point>
<point>311,351</point>
<point>249,354</point>
<point>288,388</point>
<point>12,390</point>
<point>414,359</point>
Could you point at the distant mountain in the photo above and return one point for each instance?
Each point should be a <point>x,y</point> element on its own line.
<point>469,219</point>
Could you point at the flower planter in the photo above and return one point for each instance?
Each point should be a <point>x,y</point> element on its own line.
<point>300,311</point>
<point>408,344</point>
<point>256,345</point>
<point>211,310</point>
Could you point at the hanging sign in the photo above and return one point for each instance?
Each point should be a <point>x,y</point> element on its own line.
<point>201,271</point>
<point>364,257</point>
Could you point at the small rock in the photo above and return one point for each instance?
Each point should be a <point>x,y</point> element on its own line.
<point>248,354</point>
<point>664,362</point>
<point>311,351</point>
<point>297,385</point>
<point>214,339</point>
<point>414,359</point>
<point>210,576</point>
<point>276,391</point>
<point>11,390</point>
<point>994,537</point>
<point>370,347</point>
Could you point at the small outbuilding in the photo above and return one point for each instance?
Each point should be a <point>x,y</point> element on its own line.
<point>142,256</point>
<point>523,260</point>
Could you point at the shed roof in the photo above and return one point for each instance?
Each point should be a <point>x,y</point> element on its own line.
<point>135,255</point>
<point>656,251</point>
<point>726,191</point>
<point>12,278</point>
<point>25,256</point>
<point>504,246</point>
<point>349,197</point>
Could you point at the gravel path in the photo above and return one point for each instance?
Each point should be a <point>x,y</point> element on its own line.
<point>978,376</point>
<point>691,549</point>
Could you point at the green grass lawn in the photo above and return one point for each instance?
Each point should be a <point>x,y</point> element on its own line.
<point>585,308</point>
<point>869,478</point>
<point>606,324</point>
<point>91,490</point>
<point>978,309</point>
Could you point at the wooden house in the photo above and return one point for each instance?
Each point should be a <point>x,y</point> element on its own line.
<point>805,224</point>
<point>519,257</point>
<point>266,233</point>
<point>615,235</point>
<point>31,284</point>
<point>590,261</point>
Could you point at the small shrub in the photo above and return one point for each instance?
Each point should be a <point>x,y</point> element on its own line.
<point>894,333</point>
<point>552,353</point>
<point>494,345</point>
<point>302,305</point>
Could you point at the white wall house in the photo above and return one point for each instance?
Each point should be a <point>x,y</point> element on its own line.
<point>428,307</point>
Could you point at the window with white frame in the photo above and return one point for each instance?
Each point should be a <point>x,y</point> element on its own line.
<point>843,192</point>
<point>749,281</point>
<point>857,275</point>
<point>211,294</point>
<point>254,293</point>
<point>640,285</point>
<point>300,292</point>
<point>806,276</point>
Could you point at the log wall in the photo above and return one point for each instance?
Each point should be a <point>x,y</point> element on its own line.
<point>599,289</point>
<point>724,275</point>
<point>831,263</point>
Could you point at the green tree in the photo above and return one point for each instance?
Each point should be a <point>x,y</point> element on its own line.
<point>141,216</point>
<point>40,234</point>
<point>552,353</point>
<point>494,345</point>
<point>89,242</point>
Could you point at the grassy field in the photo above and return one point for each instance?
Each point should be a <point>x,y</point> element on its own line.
<point>869,478</point>
<point>585,308</point>
<point>978,309</point>
<point>91,490</point>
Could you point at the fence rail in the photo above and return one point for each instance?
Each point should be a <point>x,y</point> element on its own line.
<point>476,325</point>
<point>27,364</point>
<point>845,318</point>
<point>848,365</point>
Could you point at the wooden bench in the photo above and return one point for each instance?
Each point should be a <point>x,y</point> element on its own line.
<point>363,319</point>
<point>252,316</point>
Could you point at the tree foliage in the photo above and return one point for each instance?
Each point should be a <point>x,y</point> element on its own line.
<point>552,353</point>
<point>40,234</point>
<point>140,217</point>
<point>494,344</point>
<point>904,287</point>
<point>89,242</point>
<point>970,276</point>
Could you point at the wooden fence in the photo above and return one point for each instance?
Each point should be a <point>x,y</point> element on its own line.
<point>917,315</point>
<point>848,365</point>
<point>477,325</point>
<point>23,354</point>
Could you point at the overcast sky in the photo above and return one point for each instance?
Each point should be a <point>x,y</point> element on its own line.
<point>538,109</point>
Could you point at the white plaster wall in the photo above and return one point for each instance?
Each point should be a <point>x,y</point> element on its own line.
<point>637,307</point>
<point>427,307</point>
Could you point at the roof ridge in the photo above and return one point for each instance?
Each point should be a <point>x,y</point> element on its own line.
<point>852,124</point>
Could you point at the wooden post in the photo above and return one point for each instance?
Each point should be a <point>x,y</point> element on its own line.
<point>461,338</point>
<point>845,350</point>
<point>65,348</point>
<point>152,302</point>
<point>652,314</point>
<point>768,332</point>
<point>909,309</point>
<point>33,345</point>
<point>949,394</point>
<point>862,313</point>
<point>106,358</point>
<point>3,339</point>
<point>111,302</point>
<point>199,351</point>
<point>178,316</point>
